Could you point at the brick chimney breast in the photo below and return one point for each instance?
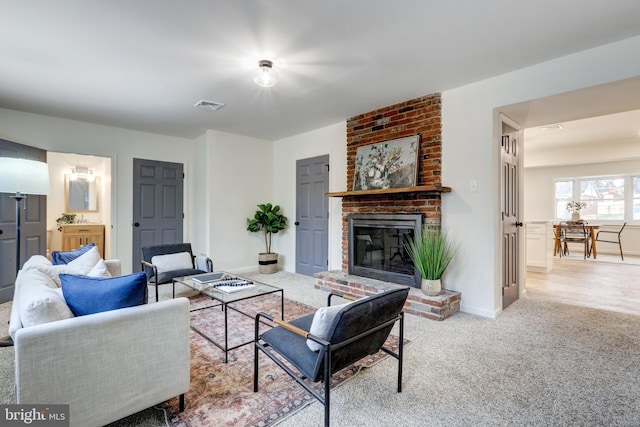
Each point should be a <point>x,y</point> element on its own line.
<point>420,116</point>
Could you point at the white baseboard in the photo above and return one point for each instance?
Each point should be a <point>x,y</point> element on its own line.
<point>479,311</point>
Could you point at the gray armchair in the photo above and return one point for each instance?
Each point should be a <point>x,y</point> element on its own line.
<point>358,329</point>
<point>184,264</point>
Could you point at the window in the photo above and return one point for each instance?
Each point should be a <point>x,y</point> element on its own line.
<point>636,197</point>
<point>603,196</point>
<point>564,194</point>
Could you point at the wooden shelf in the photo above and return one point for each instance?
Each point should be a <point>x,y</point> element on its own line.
<point>433,189</point>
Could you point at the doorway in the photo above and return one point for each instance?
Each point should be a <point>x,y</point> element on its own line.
<point>587,103</point>
<point>62,167</point>
<point>312,215</point>
<point>33,222</point>
<point>158,200</point>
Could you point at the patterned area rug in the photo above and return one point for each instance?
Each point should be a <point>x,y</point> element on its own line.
<point>222,394</point>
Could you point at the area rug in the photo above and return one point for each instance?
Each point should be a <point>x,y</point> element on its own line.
<point>221,394</point>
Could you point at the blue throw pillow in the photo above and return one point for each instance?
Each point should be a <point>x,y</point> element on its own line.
<point>88,295</point>
<point>58,257</point>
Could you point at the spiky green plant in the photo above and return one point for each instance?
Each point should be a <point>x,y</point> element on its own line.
<point>431,252</point>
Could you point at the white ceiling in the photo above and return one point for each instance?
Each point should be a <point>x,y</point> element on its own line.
<point>619,128</point>
<point>142,64</point>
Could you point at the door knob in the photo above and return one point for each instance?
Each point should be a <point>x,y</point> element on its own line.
<point>1,231</point>
<point>136,224</point>
<point>296,223</point>
<point>517,224</point>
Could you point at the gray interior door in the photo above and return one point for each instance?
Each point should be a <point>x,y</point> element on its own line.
<point>157,205</point>
<point>33,222</point>
<point>511,223</point>
<point>312,215</point>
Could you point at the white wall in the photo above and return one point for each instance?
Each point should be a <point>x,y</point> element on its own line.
<point>234,174</point>
<point>604,151</point>
<point>121,145</point>
<point>470,141</point>
<point>331,140</point>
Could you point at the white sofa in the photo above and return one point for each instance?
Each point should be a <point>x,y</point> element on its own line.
<point>106,365</point>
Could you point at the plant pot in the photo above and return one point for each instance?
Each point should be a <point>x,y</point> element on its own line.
<point>431,287</point>
<point>575,216</point>
<point>268,262</point>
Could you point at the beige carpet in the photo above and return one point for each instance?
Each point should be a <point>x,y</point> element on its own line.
<point>540,363</point>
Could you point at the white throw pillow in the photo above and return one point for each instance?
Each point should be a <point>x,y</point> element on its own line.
<point>321,324</point>
<point>82,265</point>
<point>85,262</point>
<point>99,270</point>
<point>53,271</point>
<point>39,301</point>
<point>171,262</point>
<point>35,261</point>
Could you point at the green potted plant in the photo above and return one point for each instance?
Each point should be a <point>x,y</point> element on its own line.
<point>574,208</point>
<point>431,252</point>
<point>269,220</point>
<point>65,218</point>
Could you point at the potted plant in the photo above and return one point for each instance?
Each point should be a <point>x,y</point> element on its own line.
<point>269,220</point>
<point>65,218</point>
<point>431,253</point>
<point>574,208</point>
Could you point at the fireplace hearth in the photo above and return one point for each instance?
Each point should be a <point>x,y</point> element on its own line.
<point>376,247</point>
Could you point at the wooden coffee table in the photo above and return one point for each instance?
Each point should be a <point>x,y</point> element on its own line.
<point>224,300</point>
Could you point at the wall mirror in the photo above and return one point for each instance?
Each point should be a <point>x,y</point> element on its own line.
<point>81,193</point>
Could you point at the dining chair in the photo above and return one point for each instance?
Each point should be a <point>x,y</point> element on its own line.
<point>611,236</point>
<point>574,232</point>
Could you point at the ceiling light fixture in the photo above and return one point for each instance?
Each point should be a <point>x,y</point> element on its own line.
<point>82,172</point>
<point>266,76</point>
<point>552,127</point>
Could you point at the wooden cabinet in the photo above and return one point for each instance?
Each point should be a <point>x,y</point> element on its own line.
<point>77,235</point>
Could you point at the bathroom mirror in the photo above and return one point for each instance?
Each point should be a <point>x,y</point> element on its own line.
<point>81,193</point>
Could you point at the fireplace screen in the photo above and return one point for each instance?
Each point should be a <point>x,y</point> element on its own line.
<point>377,247</point>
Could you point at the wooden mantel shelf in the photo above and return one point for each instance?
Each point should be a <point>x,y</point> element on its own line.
<point>433,189</point>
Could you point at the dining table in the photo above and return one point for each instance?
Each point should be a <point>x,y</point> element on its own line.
<point>591,228</point>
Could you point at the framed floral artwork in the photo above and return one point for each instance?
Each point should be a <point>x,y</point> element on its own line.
<point>389,164</point>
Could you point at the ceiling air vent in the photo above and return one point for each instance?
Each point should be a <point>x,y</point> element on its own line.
<point>209,105</point>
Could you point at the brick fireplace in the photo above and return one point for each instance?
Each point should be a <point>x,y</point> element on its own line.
<point>420,116</point>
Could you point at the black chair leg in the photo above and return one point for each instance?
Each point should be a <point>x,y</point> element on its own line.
<point>621,256</point>
<point>400,350</point>
<point>182,402</point>
<point>327,388</point>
